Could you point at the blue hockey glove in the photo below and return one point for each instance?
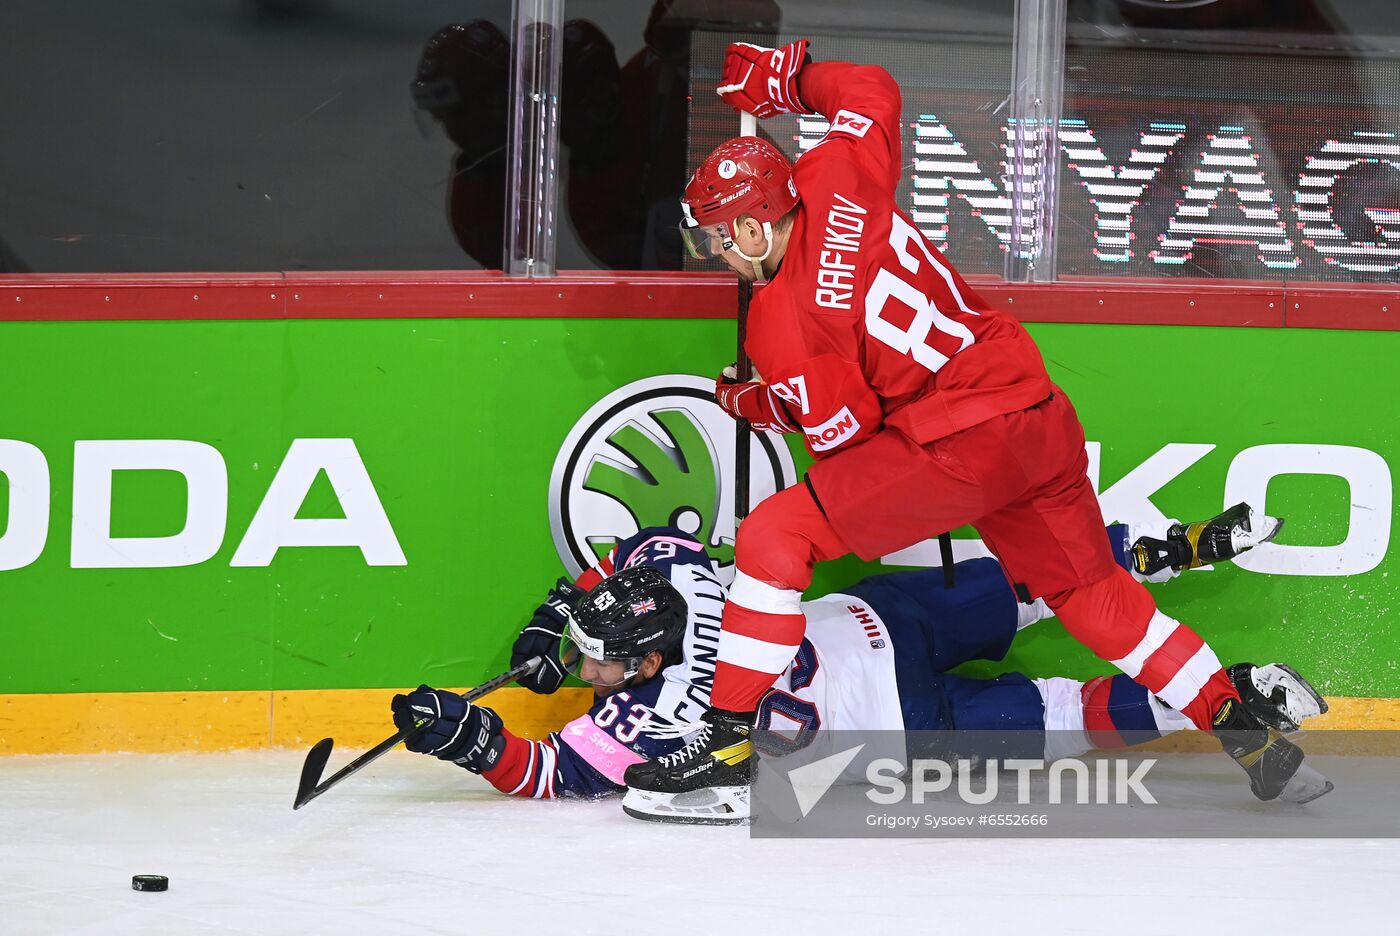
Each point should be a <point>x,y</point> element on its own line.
<point>541,638</point>
<point>466,734</point>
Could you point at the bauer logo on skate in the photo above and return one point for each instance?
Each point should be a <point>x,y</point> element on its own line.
<point>656,452</point>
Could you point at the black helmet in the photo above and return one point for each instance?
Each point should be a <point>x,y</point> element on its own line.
<point>626,616</point>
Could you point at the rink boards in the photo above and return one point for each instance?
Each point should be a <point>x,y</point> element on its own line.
<point>264,506</point>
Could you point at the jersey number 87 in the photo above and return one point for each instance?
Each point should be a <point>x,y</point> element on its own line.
<point>952,336</point>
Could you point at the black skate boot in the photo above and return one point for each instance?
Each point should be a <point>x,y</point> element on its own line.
<point>1192,545</point>
<point>705,782</point>
<point>1276,694</point>
<point>1273,764</point>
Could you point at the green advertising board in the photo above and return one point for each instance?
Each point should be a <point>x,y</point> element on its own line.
<point>356,504</point>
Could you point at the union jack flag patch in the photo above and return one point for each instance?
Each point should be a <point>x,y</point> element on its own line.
<point>643,607</point>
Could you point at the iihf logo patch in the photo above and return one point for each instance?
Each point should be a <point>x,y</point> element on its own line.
<point>643,607</point>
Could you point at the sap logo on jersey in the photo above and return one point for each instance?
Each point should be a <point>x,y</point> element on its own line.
<point>656,452</point>
<point>850,122</point>
<point>276,524</point>
<point>833,432</point>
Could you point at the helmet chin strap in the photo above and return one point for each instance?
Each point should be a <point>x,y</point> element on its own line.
<point>758,261</point>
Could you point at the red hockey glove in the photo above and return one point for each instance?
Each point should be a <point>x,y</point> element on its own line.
<point>761,81</point>
<point>753,401</point>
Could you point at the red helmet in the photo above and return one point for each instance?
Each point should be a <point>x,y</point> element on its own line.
<point>743,176</point>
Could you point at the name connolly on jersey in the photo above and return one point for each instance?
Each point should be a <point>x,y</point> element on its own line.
<point>704,644</point>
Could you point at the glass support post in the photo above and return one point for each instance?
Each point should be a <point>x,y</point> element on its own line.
<point>532,191</point>
<point>1032,139</point>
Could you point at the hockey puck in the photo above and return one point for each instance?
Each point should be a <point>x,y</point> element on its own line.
<point>150,882</point>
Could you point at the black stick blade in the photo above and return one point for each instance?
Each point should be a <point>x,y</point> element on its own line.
<point>309,788</point>
<point>311,771</point>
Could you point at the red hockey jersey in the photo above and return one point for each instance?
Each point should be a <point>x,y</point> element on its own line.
<point>866,324</point>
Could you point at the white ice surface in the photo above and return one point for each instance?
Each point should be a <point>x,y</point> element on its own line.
<point>413,846</point>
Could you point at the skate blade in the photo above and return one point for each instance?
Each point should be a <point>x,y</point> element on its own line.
<point>709,806</point>
<point>1256,529</point>
<point>1305,786</point>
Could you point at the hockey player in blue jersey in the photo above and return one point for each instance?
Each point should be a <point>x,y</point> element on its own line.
<point>876,656</point>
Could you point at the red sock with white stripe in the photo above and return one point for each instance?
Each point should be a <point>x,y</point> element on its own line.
<point>763,625</point>
<point>755,645</point>
<point>1107,712</point>
<point>1118,620</point>
<point>526,768</point>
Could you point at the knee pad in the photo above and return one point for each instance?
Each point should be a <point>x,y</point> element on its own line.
<point>785,536</point>
<point>1108,616</point>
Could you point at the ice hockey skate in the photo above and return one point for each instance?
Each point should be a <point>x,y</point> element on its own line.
<point>1276,695</point>
<point>1192,545</point>
<point>706,782</point>
<point>1273,699</point>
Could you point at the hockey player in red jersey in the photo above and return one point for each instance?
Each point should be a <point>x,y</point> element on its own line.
<point>925,409</point>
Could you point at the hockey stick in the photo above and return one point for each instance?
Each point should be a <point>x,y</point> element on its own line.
<point>308,788</point>
<point>748,126</point>
<point>742,430</point>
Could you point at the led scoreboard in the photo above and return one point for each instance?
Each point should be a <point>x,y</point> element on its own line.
<point>1268,164</point>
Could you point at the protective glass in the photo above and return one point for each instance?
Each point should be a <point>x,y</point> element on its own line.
<point>599,672</point>
<point>706,241</point>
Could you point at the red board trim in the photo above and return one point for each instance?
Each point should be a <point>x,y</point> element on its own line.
<point>456,294</point>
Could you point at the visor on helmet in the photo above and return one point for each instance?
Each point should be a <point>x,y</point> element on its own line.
<point>583,657</point>
<point>706,241</point>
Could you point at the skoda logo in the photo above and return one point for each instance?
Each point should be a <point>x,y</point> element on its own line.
<point>657,452</point>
